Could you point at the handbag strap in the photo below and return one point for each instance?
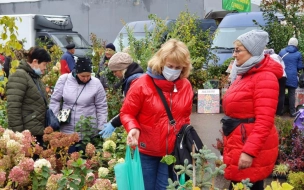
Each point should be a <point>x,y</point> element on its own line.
<point>162,97</point>
<point>78,97</point>
<point>39,89</point>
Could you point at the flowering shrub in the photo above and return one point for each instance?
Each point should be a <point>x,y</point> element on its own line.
<point>55,168</point>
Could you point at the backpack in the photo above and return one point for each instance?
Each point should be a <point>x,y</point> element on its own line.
<point>185,138</point>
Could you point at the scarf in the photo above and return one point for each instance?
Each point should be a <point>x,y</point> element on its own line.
<point>241,70</point>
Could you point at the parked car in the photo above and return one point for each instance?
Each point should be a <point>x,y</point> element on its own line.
<point>138,28</point>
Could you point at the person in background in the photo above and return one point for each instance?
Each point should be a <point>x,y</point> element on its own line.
<point>25,103</point>
<point>82,92</point>
<point>103,70</point>
<point>293,63</point>
<point>123,67</point>
<point>67,61</point>
<point>282,81</point>
<point>251,101</point>
<point>144,116</point>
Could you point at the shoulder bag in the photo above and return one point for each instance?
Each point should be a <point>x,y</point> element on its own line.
<point>50,118</point>
<point>64,115</point>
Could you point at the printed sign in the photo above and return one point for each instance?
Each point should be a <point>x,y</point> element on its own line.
<point>299,96</point>
<point>208,101</point>
<point>237,5</point>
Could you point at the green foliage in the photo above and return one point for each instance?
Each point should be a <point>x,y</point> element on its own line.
<point>284,127</point>
<point>40,179</point>
<point>185,29</point>
<point>75,177</point>
<point>205,171</point>
<point>280,33</point>
<point>296,179</point>
<point>114,101</point>
<point>280,170</point>
<point>168,159</point>
<point>243,185</point>
<point>3,114</point>
<point>98,49</point>
<point>85,126</point>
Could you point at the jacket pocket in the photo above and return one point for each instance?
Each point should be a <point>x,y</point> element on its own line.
<point>29,117</point>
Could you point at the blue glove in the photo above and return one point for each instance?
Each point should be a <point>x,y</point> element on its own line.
<point>107,131</point>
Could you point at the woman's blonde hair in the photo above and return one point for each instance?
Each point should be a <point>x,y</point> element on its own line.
<point>173,50</point>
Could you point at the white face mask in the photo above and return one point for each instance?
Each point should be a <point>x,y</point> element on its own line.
<point>171,74</point>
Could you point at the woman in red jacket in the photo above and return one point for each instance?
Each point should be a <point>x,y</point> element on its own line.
<point>143,114</point>
<point>251,140</point>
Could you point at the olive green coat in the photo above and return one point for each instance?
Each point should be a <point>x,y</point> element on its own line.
<point>25,104</point>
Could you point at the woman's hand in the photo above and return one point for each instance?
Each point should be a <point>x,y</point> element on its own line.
<point>132,138</point>
<point>245,161</point>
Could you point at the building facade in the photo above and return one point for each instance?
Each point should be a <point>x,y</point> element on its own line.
<point>104,17</point>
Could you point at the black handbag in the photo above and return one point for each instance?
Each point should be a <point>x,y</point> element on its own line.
<point>229,123</point>
<point>50,118</point>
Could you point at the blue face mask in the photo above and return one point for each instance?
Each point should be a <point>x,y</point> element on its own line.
<point>38,71</point>
<point>171,74</point>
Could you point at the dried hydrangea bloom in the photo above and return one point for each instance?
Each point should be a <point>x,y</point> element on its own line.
<point>106,155</point>
<point>102,184</point>
<point>90,150</point>
<point>27,164</point>
<point>48,130</point>
<point>38,149</point>
<point>75,155</point>
<point>111,163</point>
<point>20,176</point>
<point>2,178</point>
<point>52,160</point>
<point>52,182</point>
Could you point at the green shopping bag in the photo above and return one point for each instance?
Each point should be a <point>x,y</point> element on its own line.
<point>129,174</point>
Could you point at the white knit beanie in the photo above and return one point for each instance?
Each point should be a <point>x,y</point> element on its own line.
<point>293,42</point>
<point>254,41</point>
<point>120,61</point>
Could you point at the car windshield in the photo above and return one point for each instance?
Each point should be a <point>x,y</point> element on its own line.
<point>125,40</point>
<point>224,37</point>
<point>64,39</point>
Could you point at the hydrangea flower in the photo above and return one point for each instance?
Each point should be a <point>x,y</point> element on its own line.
<point>102,184</point>
<point>13,147</point>
<point>20,176</point>
<point>27,164</point>
<point>2,178</point>
<point>40,163</point>
<point>109,145</point>
<point>103,172</point>
<point>52,184</point>
<point>121,160</point>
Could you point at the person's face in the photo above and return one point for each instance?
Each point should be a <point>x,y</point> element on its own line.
<point>84,77</point>
<point>109,53</point>
<point>118,74</point>
<point>72,51</point>
<point>241,55</point>
<point>41,66</point>
<point>172,65</point>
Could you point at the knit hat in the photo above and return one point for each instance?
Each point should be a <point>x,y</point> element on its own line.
<point>293,42</point>
<point>120,61</point>
<point>111,46</point>
<point>254,41</point>
<point>70,46</point>
<point>83,64</point>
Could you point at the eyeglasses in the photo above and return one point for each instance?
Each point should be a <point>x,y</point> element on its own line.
<point>237,51</point>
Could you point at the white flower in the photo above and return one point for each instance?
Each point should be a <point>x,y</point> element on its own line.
<point>19,136</point>
<point>40,163</point>
<point>109,145</point>
<point>13,146</point>
<point>114,186</point>
<point>103,172</point>
<point>121,160</point>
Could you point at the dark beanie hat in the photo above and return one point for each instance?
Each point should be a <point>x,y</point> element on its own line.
<point>70,46</point>
<point>111,46</point>
<point>83,64</point>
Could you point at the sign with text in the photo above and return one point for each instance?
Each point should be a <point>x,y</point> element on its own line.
<point>237,5</point>
<point>208,101</point>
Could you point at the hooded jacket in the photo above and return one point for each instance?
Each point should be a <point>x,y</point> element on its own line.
<point>25,104</point>
<point>293,63</point>
<point>144,110</point>
<point>253,95</point>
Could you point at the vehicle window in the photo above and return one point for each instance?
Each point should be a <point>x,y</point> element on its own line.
<point>64,39</point>
<point>224,37</point>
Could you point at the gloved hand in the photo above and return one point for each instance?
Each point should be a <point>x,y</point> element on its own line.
<point>107,131</point>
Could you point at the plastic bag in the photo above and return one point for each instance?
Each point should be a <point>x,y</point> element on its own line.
<point>129,174</point>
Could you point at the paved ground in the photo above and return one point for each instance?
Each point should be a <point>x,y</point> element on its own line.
<point>208,126</point>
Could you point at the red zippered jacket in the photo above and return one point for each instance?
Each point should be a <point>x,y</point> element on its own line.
<point>144,110</point>
<point>253,95</point>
